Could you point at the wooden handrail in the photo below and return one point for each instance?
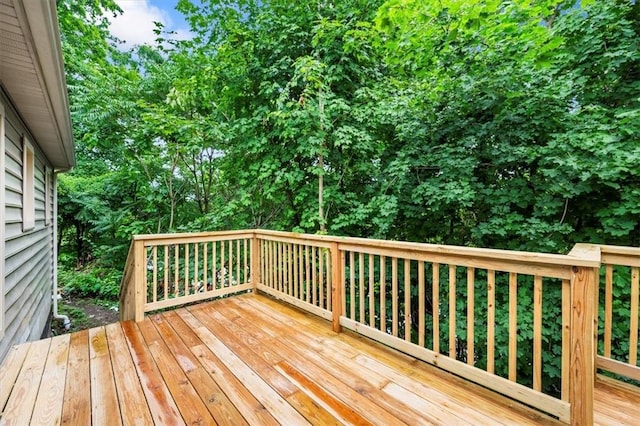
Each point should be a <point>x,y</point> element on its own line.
<point>484,254</point>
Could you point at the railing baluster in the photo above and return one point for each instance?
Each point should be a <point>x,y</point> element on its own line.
<point>290,268</point>
<point>154,251</point>
<point>436,307</point>
<point>281,272</point>
<point>296,269</point>
<point>238,277</point>
<point>214,266</point>
<point>285,268</point>
<point>274,265</point>
<point>361,284</point>
<point>537,333</point>
<point>176,270</point>
<point>336,265</point>
<point>321,277</point>
<point>470,315</point>
<point>300,271</point>
<point>196,262</point>
<point>352,290</point>
<point>491,319</point>
<point>608,309</point>
<point>452,311</point>
<point>407,300</point>
<point>372,302</point>
<point>330,276</point>
<point>566,339</point>
<point>394,296</point>
<point>264,263</point>
<point>308,274</point>
<point>230,262</point>
<point>166,272</point>
<point>223,265</point>
<point>205,267</point>
<point>513,325</point>
<point>314,276</point>
<point>186,269</point>
<point>245,249</point>
<point>421,304</point>
<point>633,323</point>
<point>383,294</point>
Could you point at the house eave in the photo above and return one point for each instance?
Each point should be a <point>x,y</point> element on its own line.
<point>45,109</point>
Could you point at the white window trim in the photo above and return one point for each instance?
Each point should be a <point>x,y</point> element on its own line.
<point>3,153</point>
<point>28,186</point>
<point>48,195</point>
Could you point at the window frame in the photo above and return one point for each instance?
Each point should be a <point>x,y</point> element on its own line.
<point>28,185</point>
<point>48,195</point>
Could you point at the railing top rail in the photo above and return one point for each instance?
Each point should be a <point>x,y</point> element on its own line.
<point>623,250</point>
<point>618,255</point>
<point>181,235</point>
<point>586,255</point>
<point>576,259</point>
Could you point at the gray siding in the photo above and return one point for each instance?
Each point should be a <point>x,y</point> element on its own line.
<point>28,254</point>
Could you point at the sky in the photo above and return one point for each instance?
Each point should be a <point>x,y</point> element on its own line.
<point>136,24</point>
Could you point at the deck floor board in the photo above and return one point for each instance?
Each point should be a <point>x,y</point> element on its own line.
<point>252,360</point>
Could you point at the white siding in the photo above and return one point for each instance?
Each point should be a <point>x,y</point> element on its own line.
<point>28,255</point>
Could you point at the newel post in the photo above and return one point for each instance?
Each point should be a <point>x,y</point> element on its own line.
<point>582,361</point>
<point>256,263</point>
<point>337,284</point>
<point>139,279</point>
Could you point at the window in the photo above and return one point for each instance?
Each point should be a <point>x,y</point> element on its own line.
<point>2,216</point>
<point>48,195</point>
<point>28,186</point>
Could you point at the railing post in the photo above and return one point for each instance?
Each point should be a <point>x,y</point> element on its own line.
<point>139,279</point>
<point>582,362</point>
<point>256,263</point>
<point>337,285</point>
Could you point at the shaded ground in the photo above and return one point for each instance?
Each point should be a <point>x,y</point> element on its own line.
<point>84,313</point>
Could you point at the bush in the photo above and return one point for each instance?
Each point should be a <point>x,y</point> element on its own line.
<point>90,282</point>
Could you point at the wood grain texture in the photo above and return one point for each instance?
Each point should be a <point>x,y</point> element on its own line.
<point>253,360</point>
<point>161,405</point>
<point>9,371</point>
<point>105,408</point>
<point>48,408</point>
<point>582,364</point>
<point>21,402</point>
<point>133,405</point>
<point>192,409</point>
<point>76,408</point>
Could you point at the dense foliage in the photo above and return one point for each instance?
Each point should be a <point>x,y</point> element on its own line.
<point>505,124</point>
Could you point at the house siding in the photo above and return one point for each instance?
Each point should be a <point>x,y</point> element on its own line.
<point>28,255</point>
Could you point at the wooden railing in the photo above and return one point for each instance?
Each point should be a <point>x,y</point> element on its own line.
<point>523,324</point>
<point>174,269</point>
<point>298,271</point>
<point>619,294</point>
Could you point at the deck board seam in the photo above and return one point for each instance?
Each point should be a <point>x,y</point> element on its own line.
<point>282,343</point>
<point>220,325</point>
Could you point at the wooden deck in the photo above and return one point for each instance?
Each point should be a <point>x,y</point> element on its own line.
<point>250,360</point>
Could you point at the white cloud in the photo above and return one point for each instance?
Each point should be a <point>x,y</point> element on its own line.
<point>136,24</point>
